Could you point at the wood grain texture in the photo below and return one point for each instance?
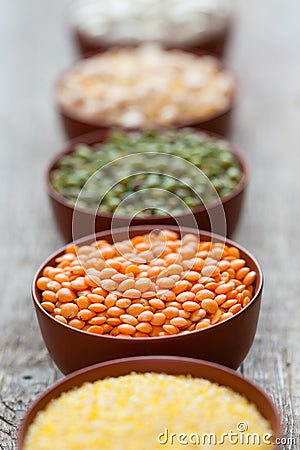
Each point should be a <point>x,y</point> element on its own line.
<point>264,52</point>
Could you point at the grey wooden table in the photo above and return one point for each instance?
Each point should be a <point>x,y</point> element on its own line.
<point>265,53</point>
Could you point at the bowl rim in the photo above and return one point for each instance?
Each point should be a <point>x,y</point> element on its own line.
<point>70,113</point>
<point>180,360</point>
<point>141,228</point>
<point>85,139</point>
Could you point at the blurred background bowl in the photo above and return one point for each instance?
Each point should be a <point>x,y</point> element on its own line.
<point>159,364</point>
<point>214,43</point>
<point>192,27</point>
<point>218,120</point>
<point>226,343</point>
<point>63,210</point>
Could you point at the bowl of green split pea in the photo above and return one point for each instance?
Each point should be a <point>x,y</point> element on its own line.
<point>118,178</point>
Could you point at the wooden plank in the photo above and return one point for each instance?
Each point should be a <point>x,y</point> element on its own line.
<point>264,53</point>
<point>30,60</point>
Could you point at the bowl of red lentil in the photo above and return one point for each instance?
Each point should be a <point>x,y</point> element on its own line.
<point>152,291</point>
<point>145,87</point>
<point>211,156</point>
<point>193,27</point>
<point>202,398</point>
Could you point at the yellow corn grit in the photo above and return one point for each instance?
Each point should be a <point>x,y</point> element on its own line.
<point>147,412</point>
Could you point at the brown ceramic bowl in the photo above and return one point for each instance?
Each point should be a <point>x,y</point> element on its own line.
<point>75,125</point>
<point>159,364</point>
<point>214,43</point>
<point>226,212</point>
<point>225,343</point>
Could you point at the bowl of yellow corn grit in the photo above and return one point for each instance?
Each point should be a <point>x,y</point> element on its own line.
<point>149,403</point>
